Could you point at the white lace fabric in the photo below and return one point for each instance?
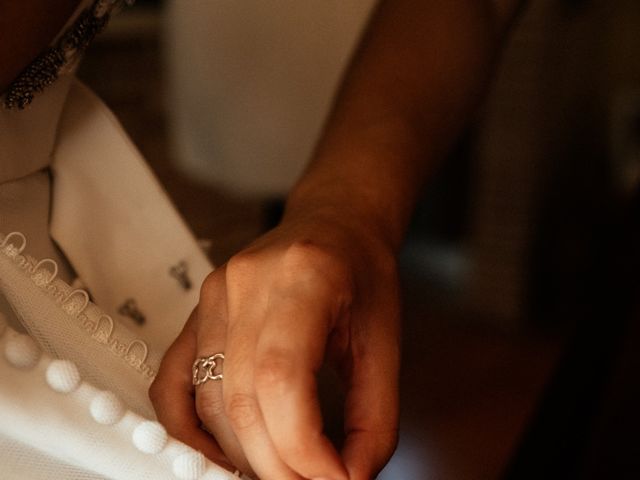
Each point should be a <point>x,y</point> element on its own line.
<point>123,238</point>
<point>55,424</point>
<point>74,368</point>
<point>67,325</point>
<point>50,426</point>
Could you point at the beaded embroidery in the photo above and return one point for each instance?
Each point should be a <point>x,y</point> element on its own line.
<point>46,68</point>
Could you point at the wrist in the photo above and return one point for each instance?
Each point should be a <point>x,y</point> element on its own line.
<point>368,173</point>
<point>326,213</point>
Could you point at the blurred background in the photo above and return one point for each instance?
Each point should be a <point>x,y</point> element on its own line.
<point>226,99</point>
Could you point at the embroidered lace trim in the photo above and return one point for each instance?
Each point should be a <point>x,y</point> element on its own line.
<point>97,325</point>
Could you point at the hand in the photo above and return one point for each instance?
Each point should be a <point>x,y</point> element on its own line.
<point>313,290</point>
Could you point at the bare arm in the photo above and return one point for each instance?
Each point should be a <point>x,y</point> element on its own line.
<point>420,72</point>
<point>322,286</point>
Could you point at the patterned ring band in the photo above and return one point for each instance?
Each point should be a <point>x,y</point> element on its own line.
<point>204,369</point>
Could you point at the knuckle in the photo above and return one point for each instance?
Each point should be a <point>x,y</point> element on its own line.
<point>155,392</point>
<point>210,281</point>
<point>240,267</point>
<point>309,255</point>
<point>296,446</point>
<point>211,285</point>
<point>274,369</point>
<point>209,405</point>
<point>306,261</point>
<point>241,410</point>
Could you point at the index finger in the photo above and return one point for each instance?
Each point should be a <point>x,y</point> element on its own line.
<point>172,396</point>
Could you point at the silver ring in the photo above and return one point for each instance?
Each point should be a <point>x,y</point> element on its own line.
<point>204,369</point>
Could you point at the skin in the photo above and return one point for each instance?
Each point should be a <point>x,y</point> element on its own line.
<point>321,287</point>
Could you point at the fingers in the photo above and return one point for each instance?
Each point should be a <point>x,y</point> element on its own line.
<point>371,411</point>
<point>288,354</point>
<point>242,408</point>
<point>275,344</point>
<point>172,396</point>
<point>209,402</point>
<point>273,330</point>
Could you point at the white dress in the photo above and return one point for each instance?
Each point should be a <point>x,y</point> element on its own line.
<point>97,275</point>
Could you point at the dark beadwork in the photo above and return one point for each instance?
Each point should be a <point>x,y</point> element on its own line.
<point>42,72</point>
<point>45,69</point>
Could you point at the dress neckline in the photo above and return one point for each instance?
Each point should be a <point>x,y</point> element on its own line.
<point>28,134</point>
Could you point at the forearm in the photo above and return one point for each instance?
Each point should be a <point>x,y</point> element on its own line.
<point>420,72</point>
